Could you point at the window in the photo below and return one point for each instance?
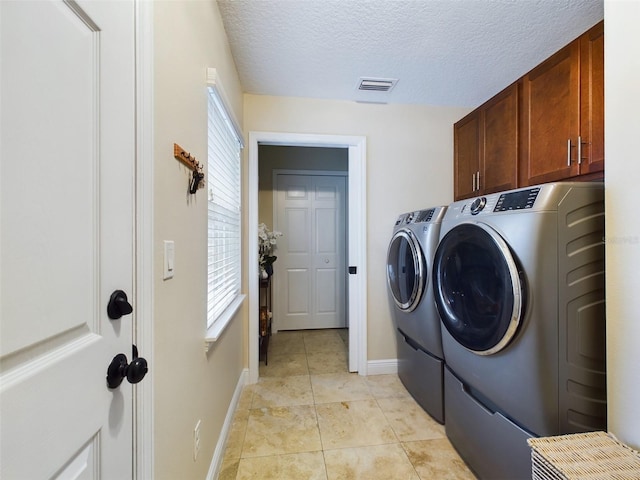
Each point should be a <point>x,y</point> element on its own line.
<point>224,220</point>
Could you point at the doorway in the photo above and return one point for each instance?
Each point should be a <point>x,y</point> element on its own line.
<point>356,256</point>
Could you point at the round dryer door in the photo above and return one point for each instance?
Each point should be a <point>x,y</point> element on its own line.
<point>405,270</point>
<point>478,289</point>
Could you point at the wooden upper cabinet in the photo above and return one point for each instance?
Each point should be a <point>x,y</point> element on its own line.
<point>592,99</point>
<point>546,127</point>
<point>562,121</point>
<point>466,155</point>
<point>551,118</point>
<point>486,147</point>
<point>499,158</point>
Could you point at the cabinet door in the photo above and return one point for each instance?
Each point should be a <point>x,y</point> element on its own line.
<point>500,142</point>
<point>466,164</point>
<point>551,118</point>
<point>592,99</point>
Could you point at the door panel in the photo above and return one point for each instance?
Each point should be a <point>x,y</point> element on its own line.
<point>309,280</point>
<point>29,110</point>
<point>592,99</point>
<point>325,231</point>
<point>500,142</point>
<point>66,212</point>
<point>297,292</point>
<point>83,465</point>
<point>551,94</point>
<point>298,233</point>
<point>466,162</point>
<point>325,283</point>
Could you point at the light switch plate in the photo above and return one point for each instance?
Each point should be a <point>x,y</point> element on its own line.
<point>196,440</point>
<point>169,259</point>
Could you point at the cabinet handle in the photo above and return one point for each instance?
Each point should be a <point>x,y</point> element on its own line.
<point>473,182</point>
<point>478,180</point>
<point>568,152</point>
<point>579,149</point>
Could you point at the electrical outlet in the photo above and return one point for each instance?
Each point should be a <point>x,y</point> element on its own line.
<point>196,440</point>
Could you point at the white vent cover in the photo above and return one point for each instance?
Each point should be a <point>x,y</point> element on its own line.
<point>377,84</point>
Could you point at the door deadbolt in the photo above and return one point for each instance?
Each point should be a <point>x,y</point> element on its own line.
<point>118,305</point>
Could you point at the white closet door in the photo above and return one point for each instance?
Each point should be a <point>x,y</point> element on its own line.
<point>310,273</point>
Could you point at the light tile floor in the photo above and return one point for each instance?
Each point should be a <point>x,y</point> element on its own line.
<point>308,418</point>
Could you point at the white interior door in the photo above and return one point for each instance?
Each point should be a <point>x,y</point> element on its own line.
<point>66,241</point>
<point>310,278</point>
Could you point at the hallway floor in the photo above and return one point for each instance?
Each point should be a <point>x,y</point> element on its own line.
<point>308,418</point>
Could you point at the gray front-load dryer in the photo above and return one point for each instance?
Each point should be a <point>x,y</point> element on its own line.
<point>409,262</point>
<point>519,286</point>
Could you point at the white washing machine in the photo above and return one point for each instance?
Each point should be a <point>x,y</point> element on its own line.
<point>519,286</point>
<point>409,262</point>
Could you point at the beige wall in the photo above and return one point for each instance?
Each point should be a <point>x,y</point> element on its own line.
<point>278,157</point>
<point>409,165</point>
<point>189,384</point>
<point>622,77</point>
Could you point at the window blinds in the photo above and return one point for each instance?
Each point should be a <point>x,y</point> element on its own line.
<point>224,228</point>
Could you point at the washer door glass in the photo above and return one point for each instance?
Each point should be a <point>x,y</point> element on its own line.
<point>478,289</point>
<point>405,270</point>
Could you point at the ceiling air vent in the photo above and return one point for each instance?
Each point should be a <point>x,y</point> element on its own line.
<point>377,84</point>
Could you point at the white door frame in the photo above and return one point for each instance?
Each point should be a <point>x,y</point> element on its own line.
<point>345,207</point>
<point>357,248</point>
<point>143,442</point>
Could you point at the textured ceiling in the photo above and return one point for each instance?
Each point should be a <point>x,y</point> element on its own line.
<point>444,52</point>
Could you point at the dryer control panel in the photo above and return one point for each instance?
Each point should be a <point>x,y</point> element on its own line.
<point>537,198</point>
<point>517,200</point>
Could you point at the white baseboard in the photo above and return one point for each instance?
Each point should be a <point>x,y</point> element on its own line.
<point>218,454</point>
<point>382,367</point>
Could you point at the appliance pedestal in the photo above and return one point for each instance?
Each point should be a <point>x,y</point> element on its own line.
<point>421,374</point>
<point>494,447</point>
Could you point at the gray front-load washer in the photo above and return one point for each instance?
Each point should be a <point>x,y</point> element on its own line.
<point>519,286</point>
<point>409,262</point>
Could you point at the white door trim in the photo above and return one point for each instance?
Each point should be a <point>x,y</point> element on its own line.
<point>143,444</point>
<point>357,248</point>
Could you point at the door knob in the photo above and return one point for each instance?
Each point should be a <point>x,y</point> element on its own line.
<point>118,305</point>
<point>119,369</point>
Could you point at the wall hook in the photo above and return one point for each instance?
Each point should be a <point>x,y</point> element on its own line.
<point>197,178</point>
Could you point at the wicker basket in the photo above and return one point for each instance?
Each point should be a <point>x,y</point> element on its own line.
<point>583,456</point>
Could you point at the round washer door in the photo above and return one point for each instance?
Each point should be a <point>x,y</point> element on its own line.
<point>478,289</point>
<point>405,270</point>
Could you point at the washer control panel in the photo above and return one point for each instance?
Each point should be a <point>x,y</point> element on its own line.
<point>424,216</point>
<point>516,200</point>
